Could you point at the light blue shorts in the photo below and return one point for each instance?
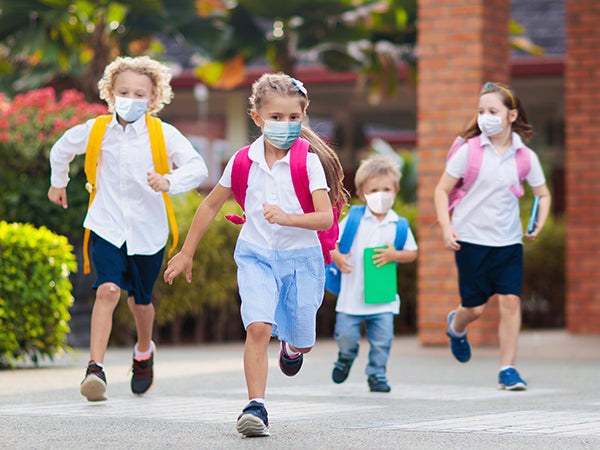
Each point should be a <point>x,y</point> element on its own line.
<point>281,287</point>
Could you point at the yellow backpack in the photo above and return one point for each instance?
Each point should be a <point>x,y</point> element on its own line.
<point>161,165</point>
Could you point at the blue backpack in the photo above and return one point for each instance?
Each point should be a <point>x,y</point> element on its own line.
<point>333,275</point>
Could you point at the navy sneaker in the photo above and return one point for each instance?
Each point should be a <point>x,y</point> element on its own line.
<point>289,366</point>
<point>143,375</point>
<point>341,369</point>
<point>253,421</point>
<point>461,349</point>
<point>93,386</point>
<point>510,380</point>
<point>378,383</point>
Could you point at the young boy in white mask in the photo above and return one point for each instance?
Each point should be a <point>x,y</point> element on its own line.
<point>127,217</point>
<point>377,183</point>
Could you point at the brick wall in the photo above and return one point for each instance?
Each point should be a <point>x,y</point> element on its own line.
<point>582,163</point>
<point>461,45</point>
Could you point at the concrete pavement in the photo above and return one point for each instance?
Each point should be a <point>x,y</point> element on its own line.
<point>199,391</point>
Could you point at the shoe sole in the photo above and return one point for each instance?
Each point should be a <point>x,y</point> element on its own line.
<point>290,371</point>
<point>514,387</point>
<point>251,426</point>
<point>93,388</point>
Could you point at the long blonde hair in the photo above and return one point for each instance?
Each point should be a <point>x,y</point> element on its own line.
<point>280,84</point>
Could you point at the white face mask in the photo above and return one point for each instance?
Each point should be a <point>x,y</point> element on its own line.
<point>490,125</point>
<point>130,109</point>
<point>380,202</point>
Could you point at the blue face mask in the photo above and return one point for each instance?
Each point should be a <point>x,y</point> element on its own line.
<point>130,109</point>
<point>282,134</point>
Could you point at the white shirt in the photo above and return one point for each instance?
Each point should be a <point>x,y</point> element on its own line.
<point>125,208</point>
<point>274,186</point>
<point>489,212</point>
<point>370,233</point>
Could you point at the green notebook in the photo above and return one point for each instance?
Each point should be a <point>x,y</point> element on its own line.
<point>380,282</point>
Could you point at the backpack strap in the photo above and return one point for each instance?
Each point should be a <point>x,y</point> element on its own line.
<point>161,166</point>
<point>401,233</point>
<point>354,215</point>
<point>474,160</point>
<point>240,170</point>
<point>92,152</point>
<point>523,160</point>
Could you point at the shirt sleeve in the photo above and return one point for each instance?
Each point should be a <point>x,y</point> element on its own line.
<point>411,243</point>
<point>535,177</point>
<point>191,170</point>
<point>457,164</point>
<point>225,180</point>
<point>342,225</point>
<point>316,173</point>
<point>72,143</point>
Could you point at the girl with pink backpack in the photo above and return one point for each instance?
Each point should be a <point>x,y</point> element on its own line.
<point>481,187</point>
<point>289,183</point>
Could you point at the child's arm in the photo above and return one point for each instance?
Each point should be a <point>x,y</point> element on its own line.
<point>543,211</point>
<point>204,216</point>
<point>390,254</point>
<point>321,219</point>
<point>341,260</point>
<point>440,198</point>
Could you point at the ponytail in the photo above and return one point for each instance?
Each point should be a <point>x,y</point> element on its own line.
<point>334,173</point>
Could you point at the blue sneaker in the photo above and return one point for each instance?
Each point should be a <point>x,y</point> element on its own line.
<point>378,383</point>
<point>510,380</point>
<point>253,421</point>
<point>288,365</point>
<point>461,349</point>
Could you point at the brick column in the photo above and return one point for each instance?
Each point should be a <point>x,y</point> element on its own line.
<point>461,45</point>
<point>582,161</point>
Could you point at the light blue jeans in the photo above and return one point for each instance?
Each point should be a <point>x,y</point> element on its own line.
<point>380,333</point>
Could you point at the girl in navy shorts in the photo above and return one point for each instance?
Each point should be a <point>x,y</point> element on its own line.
<point>485,231</point>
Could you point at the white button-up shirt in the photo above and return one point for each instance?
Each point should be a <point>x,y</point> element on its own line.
<point>489,212</point>
<point>274,186</point>
<point>125,208</point>
<point>370,233</point>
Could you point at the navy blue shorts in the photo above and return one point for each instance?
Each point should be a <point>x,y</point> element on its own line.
<point>135,274</point>
<point>484,271</point>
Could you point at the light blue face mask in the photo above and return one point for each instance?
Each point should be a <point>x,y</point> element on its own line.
<point>282,134</point>
<point>130,109</point>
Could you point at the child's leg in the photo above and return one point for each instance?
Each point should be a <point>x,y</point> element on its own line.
<point>464,316</point>
<point>380,334</point>
<point>144,321</point>
<point>256,364</point>
<point>107,298</point>
<point>508,329</point>
<point>347,335</point>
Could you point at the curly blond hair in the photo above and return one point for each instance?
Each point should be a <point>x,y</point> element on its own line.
<point>159,74</point>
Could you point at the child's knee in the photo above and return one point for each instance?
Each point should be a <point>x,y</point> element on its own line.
<point>108,293</point>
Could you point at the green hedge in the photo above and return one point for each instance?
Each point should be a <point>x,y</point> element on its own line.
<point>35,292</point>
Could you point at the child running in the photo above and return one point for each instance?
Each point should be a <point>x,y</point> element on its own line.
<point>127,217</point>
<point>485,231</point>
<point>377,184</point>
<point>280,261</point>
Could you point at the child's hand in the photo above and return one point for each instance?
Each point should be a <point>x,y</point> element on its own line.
<point>384,255</point>
<point>534,234</point>
<point>450,239</point>
<point>158,182</point>
<point>341,261</point>
<point>274,214</point>
<point>58,196</point>
<point>177,264</point>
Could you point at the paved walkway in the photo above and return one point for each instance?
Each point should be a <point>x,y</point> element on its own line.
<point>435,401</point>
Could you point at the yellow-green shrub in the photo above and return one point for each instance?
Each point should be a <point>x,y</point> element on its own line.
<point>35,292</point>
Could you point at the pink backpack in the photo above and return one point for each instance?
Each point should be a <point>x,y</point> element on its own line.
<point>474,159</point>
<point>298,154</point>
